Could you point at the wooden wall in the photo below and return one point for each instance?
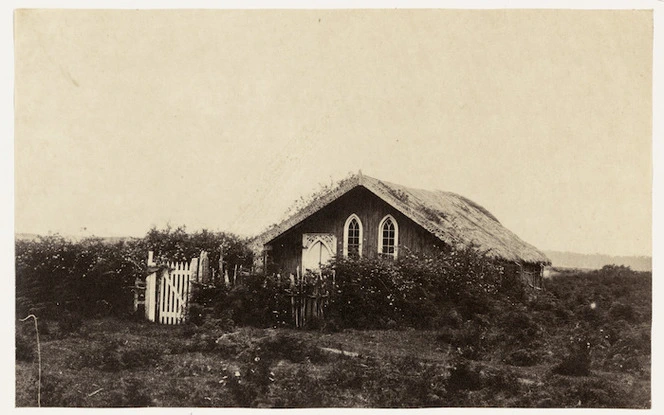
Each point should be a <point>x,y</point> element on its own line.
<point>286,250</point>
<point>531,274</point>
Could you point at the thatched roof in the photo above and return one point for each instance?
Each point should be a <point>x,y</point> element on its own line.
<point>452,218</point>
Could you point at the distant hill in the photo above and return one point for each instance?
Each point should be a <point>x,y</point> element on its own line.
<point>596,261</point>
<point>25,236</point>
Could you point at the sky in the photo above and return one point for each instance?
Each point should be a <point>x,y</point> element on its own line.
<point>222,119</point>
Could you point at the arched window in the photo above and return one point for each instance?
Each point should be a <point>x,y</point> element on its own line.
<point>353,237</point>
<point>388,237</point>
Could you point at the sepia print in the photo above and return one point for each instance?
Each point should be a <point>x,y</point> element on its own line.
<point>365,208</point>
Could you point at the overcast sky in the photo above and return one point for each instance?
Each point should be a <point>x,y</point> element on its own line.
<point>220,120</point>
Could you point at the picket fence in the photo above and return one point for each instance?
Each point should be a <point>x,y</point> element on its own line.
<point>309,295</point>
<point>175,285</point>
<point>167,291</point>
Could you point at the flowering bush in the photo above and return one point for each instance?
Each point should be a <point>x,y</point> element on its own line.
<point>55,276</point>
<point>415,291</point>
<point>94,277</point>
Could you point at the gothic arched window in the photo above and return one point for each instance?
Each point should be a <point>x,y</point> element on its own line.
<point>353,237</point>
<point>388,237</point>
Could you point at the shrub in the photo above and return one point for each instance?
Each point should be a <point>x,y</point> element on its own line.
<point>589,312</point>
<point>204,337</point>
<point>577,361</point>
<point>93,277</point>
<point>232,344</point>
<point>366,290</point>
<point>523,357</point>
<point>627,348</point>
<point>417,291</point>
<point>195,314</point>
<point>521,327</point>
<point>619,287</point>
<point>176,244</point>
<point>314,324</point>
<point>87,277</point>
<point>620,311</point>
<point>69,323</point>
<point>250,384</point>
<point>472,340</point>
<point>449,318</point>
<point>258,301</point>
<point>463,376</point>
<point>330,325</point>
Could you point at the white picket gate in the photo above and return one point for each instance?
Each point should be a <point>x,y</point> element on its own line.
<point>174,293</point>
<point>167,293</point>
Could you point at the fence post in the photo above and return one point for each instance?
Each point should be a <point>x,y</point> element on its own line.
<point>235,275</point>
<point>204,267</point>
<point>192,285</point>
<point>194,270</point>
<point>151,299</point>
<point>221,262</point>
<point>39,373</point>
<point>137,284</point>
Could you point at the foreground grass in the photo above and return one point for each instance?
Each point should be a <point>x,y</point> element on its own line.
<point>584,342</point>
<point>109,363</point>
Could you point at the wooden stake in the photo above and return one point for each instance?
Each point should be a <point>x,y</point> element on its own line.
<point>221,260</point>
<point>38,359</point>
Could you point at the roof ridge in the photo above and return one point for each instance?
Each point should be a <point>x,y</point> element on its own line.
<point>437,211</point>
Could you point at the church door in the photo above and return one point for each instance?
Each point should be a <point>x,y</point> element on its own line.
<point>317,250</point>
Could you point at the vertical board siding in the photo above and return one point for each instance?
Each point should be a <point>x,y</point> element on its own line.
<point>286,253</point>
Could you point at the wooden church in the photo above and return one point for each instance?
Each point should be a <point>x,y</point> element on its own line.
<point>367,217</point>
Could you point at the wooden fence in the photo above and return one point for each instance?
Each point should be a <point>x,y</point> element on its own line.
<point>309,295</point>
<point>166,292</point>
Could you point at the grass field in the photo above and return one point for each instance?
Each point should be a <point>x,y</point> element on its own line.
<point>526,359</point>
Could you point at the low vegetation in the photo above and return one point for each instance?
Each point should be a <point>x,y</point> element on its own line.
<point>447,331</point>
<point>93,278</point>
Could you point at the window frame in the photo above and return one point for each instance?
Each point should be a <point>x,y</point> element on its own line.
<point>361,235</point>
<point>396,236</point>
